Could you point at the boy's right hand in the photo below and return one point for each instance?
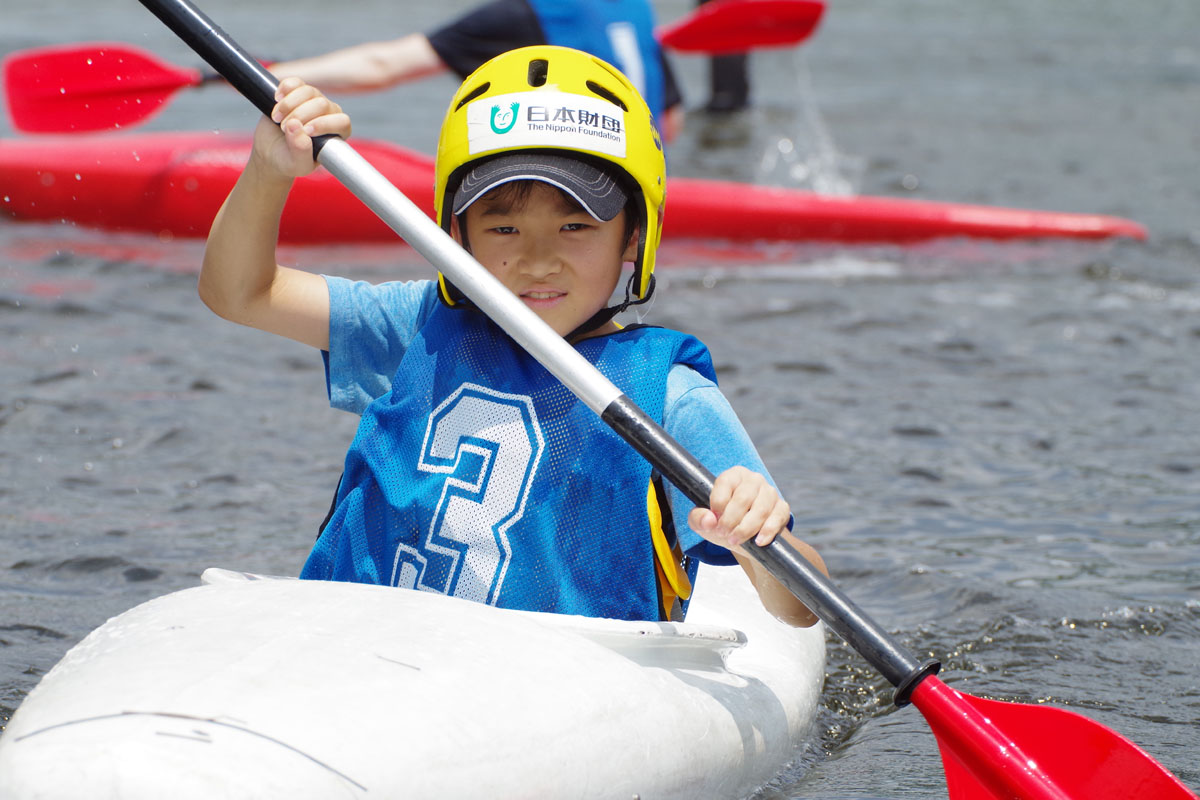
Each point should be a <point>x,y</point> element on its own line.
<point>284,142</point>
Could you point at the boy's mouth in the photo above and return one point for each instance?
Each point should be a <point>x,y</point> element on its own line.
<point>542,295</point>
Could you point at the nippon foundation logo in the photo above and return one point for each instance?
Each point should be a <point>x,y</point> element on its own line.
<point>546,119</point>
<point>502,120</point>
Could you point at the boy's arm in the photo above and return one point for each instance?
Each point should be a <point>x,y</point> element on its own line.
<point>784,605</point>
<point>240,278</point>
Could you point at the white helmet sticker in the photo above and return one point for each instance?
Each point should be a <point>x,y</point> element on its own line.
<point>546,118</point>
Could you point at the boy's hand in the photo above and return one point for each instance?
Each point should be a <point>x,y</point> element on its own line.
<point>743,506</point>
<point>284,143</point>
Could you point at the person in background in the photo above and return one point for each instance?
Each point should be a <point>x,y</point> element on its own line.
<point>728,81</point>
<point>619,31</point>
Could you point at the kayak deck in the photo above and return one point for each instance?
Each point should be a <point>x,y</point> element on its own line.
<point>311,689</point>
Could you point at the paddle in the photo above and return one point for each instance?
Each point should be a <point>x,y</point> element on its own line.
<point>89,87</point>
<point>101,85</point>
<point>990,749</point>
<point>734,26</point>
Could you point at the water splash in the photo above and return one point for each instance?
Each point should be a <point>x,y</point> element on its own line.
<point>807,157</point>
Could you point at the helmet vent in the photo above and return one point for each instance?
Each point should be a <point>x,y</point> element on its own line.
<point>607,95</point>
<point>478,90</point>
<point>539,68</point>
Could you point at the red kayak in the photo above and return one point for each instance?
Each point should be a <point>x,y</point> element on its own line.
<point>171,184</point>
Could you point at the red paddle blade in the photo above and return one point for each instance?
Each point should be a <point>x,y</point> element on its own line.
<point>88,87</point>
<point>734,26</point>
<point>1011,751</point>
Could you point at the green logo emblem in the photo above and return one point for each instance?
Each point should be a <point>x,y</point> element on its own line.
<point>503,120</point>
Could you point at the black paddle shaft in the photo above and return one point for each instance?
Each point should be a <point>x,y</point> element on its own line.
<point>645,435</point>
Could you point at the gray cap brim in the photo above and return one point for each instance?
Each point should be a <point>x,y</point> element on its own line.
<point>596,190</point>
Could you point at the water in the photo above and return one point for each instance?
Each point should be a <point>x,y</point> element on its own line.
<point>995,446</point>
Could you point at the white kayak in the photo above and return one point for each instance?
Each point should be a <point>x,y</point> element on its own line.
<point>253,688</point>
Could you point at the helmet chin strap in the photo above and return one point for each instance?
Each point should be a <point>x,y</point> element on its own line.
<point>604,315</point>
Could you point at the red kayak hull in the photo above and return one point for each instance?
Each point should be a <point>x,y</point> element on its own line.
<point>171,184</point>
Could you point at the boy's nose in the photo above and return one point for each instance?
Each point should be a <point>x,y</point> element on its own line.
<point>540,261</point>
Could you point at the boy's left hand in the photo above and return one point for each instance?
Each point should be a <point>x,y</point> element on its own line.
<point>743,506</point>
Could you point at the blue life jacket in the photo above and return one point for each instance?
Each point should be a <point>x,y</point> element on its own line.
<point>619,31</point>
<point>480,475</point>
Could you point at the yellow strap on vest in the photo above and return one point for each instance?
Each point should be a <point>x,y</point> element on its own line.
<point>673,581</point>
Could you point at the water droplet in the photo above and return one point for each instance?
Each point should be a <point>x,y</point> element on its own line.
<point>89,61</point>
<point>88,467</point>
<point>78,177</point>
<point>118,443</point>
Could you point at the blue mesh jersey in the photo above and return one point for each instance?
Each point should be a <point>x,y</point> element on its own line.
<point>375,328</point>
<point>481,476</point>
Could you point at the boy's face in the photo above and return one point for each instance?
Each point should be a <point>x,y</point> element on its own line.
<point>560,260</point>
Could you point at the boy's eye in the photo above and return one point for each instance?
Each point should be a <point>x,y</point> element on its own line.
<point>575,226</point>
<point>504,229</point>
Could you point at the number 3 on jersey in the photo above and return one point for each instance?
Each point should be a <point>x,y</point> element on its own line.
<point>488,445</point>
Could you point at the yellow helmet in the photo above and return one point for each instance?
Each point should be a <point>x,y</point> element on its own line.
<point>553,102</point>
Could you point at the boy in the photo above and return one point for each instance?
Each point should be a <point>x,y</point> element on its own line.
<point>474,472</point>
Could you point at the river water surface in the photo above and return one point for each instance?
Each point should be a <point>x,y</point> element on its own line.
<point>996,446</point>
